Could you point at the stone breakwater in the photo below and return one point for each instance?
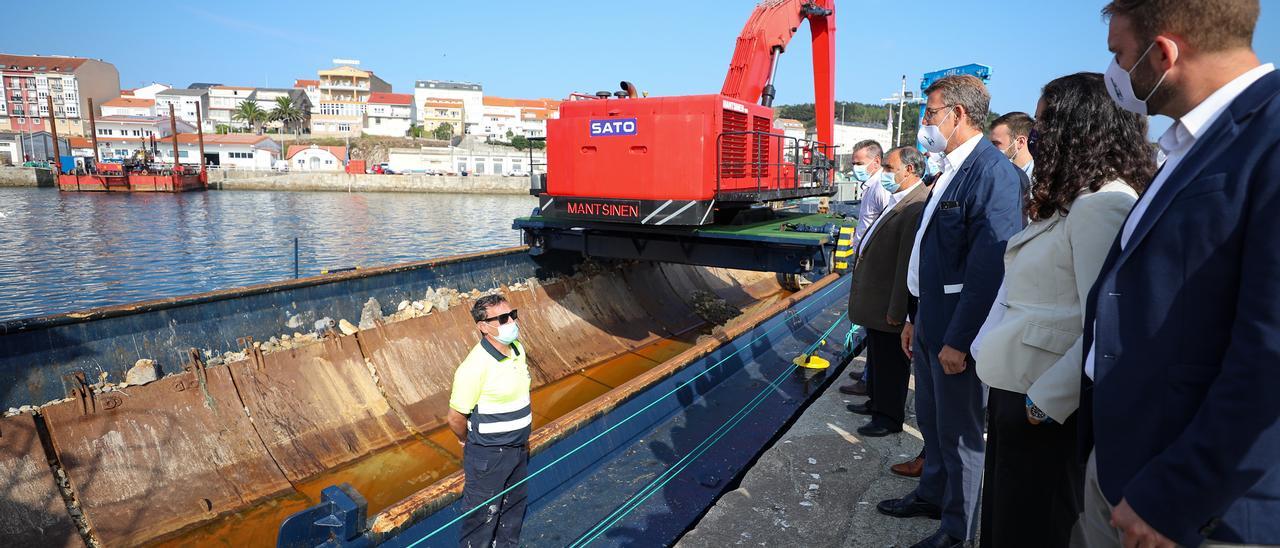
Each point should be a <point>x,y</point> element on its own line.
<point>346,182</point>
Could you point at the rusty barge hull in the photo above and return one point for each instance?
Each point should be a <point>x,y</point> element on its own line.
<point>639,465</point>
<point>134,464</point>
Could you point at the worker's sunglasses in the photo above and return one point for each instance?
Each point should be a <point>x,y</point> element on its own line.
<point>504,318</point>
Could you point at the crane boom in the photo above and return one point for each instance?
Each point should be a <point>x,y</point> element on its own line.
<point>766,35</point>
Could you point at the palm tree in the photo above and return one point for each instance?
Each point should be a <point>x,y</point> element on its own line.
<point>287,113</point>
<point>250,113</point>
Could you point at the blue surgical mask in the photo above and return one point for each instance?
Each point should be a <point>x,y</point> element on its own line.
<point>508,332</point>
<point>860,173</point>
<point>933,165</point>
<point>887,181</point>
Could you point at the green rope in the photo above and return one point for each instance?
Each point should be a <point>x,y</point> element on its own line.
<point>675,469</point>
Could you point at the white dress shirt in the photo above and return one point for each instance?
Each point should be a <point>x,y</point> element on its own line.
<point>1175,143</point>
<point>950,166</point>
<point>893,201</point>
<point>874,198</point>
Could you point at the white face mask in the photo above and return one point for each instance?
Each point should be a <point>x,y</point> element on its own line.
<point>1120,85</point>
<point>930,137</point>
<point>508,332</point>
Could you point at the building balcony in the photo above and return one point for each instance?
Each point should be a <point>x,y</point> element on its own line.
<point>344,86</point>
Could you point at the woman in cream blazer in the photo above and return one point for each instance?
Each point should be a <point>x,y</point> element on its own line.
<point>1088,155</point>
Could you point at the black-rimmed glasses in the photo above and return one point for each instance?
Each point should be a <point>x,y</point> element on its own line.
<point>505,317</point>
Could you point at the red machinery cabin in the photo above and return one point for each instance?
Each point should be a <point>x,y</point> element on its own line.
<point>675,160</point>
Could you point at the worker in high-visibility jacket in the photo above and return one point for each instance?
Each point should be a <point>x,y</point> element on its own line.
<point>490,414</point>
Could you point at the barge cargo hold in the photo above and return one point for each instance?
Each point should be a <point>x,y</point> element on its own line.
<point>136,464</point>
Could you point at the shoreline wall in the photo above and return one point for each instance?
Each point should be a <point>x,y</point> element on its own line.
<point>337,181</point>
<point>33,177</point>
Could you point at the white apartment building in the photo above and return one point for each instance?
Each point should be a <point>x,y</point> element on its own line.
<point>504,118</point>
<point>471,95</point>
<point>186,104</point>
<point>389,114</point>
<point>223,100</point>
<point>148,91</point>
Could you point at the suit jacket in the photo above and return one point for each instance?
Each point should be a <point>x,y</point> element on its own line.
<point>1032,340</point>
<point>879,285</point>
<point>1185,409</point>
<point>962,250</point>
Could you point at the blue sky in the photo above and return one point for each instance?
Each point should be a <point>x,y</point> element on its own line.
<point>548,49</point>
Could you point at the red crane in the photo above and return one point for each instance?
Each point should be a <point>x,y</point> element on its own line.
<point>691,160</point>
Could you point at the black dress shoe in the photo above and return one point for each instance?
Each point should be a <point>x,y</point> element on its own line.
<point>909,506</point>
<point>939,540</point>
<point>874,429</point>
<point>858,388</point>
<point>859,408</point>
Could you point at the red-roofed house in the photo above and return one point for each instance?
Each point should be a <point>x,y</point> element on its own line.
<point>129,106</point>
<point>316,158</point>
<point>527,117</point>
<point>389,114</point>
<point>72,82</point>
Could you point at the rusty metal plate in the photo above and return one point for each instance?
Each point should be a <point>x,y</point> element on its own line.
<point>316,406</point>
<point>415,360</point>
<point>149,460</point>
<point>759,285</point>
<point>660,299</point>
<point>32,512</point>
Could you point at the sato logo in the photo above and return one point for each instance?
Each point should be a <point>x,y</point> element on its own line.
<point>618,126</point>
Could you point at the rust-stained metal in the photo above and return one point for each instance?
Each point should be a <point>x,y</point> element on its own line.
<point>415,359</point>
<point>93,133</point>
<point>315,406</point>
<point>151,459</point>
<point>32,511</point>
<point>659,299</point>
<point>396,518</point>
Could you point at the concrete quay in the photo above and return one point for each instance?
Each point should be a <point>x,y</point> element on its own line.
<point>26,177</point>
<point>818,485</point>
<point>346,182</point>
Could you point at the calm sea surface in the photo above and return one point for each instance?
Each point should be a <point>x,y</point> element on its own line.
<point>63,251</point>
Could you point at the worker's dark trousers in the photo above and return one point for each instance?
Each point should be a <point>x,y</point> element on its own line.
<point>490,470</point>
<point>889,378</point>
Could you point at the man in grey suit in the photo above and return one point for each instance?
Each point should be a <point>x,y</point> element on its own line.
<point>878,294</point>
<point>955,270</point>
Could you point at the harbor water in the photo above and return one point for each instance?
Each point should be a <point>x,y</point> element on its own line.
<point>64,251</point>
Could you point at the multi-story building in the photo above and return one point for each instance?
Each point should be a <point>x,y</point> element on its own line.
<point>148,91</point>
<point>223,101</point>
<point>129,106</point>
<point>311,88</point>
<point>504,118</point>
<point>389,114</point>
<point>471,95</point>
<point>28,80</point>
<point>434,111</point>
<point>119,136</point>
<point>186,103</point>
<point>344,97</point>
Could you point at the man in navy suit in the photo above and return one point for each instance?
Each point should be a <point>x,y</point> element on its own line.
<point>955,270</point>
<point>1182,391</point>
